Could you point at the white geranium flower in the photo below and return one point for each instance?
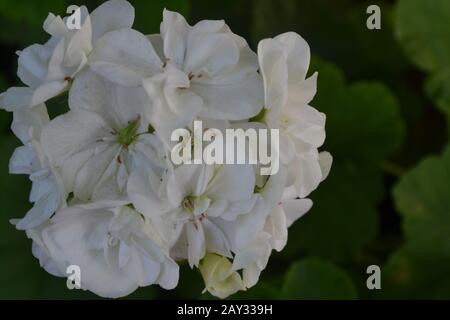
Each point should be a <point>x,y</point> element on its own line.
<point>284,62</point>
<point>47,193</point>
<point>116,248</point>
<point>106,198</point>
<point>96,143</point>
<point>198,200</point>
<point>255,238</point>
<point>222,69</point>
<point>252,258</point>
<point>217,65</point>
<point>47,70</point>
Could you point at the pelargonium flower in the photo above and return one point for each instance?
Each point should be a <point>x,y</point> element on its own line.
<point>48,69</point>
<point>284,62</point>
<point>106,195</point>
<point>116,248</point>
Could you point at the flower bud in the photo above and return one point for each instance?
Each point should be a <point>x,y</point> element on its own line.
<point>220,280</point>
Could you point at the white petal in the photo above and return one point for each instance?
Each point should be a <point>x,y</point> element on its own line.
<point>66,240</point>
<point>196,243</point>
<point>28,123</point>
<point>71,132</point>
<point>276,227</point>
<point>99,170</point>
<point>210,53</point>
<point>141,267</point>
<point>174,30</point>
<point>235,101</point>
<point>33,62</point>
<point>325,161</point>
<point>158,45</point>
<point>142,191</point>
<point>215,239</point>
<point>168,278</point>
<point>111,15</point>
<point>232,182</point>
<point>275,75</point>
<point>303,92</point>
<point>307,173</point>
<point>125,56</point>
<point>298,55</point>
<point>22,161</point>
<point>294,209</point>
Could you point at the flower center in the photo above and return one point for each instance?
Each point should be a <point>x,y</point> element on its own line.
<point>196,206</point>
<point>188,203</point>
<point>129,134</point>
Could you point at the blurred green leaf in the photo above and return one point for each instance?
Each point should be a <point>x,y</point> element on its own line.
<point>438,89</point>
<point>363,119</point>
<point>316,279</point>
<point>30,11</point>
<point>420,268</point>
<point>422,198</point>
<point>423,31</point>
<point>408,275</point>
<point>21,21</point>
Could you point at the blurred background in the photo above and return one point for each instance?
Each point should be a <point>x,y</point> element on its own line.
<point>386,94</point>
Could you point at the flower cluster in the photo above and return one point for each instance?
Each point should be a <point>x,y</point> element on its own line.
<point>106,196</point>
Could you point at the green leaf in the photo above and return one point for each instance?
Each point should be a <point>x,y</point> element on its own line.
<point>364,128</point>
<point>30,11</point>
<point>423,31</point>
<point>408,275</point>
<point>420,268</point>
<point>315,279</point>
<point>26,18</point>
<point>363,119</point>
<point>437,87</point>
<point>422,198</point>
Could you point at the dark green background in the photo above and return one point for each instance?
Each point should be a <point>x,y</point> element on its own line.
<point>386,94</point>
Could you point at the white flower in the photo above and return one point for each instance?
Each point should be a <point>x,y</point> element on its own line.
<point>116,248</point>
<point>284,62</point>
<point>96,143</point>
<point>47,193</point>
<point>222,69</point>
<point>253,256</point>
<point>198,200</point>
<point>105,195</point>
<point>47,70</point>
<point>261,234</point>
<point>218,65</point>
